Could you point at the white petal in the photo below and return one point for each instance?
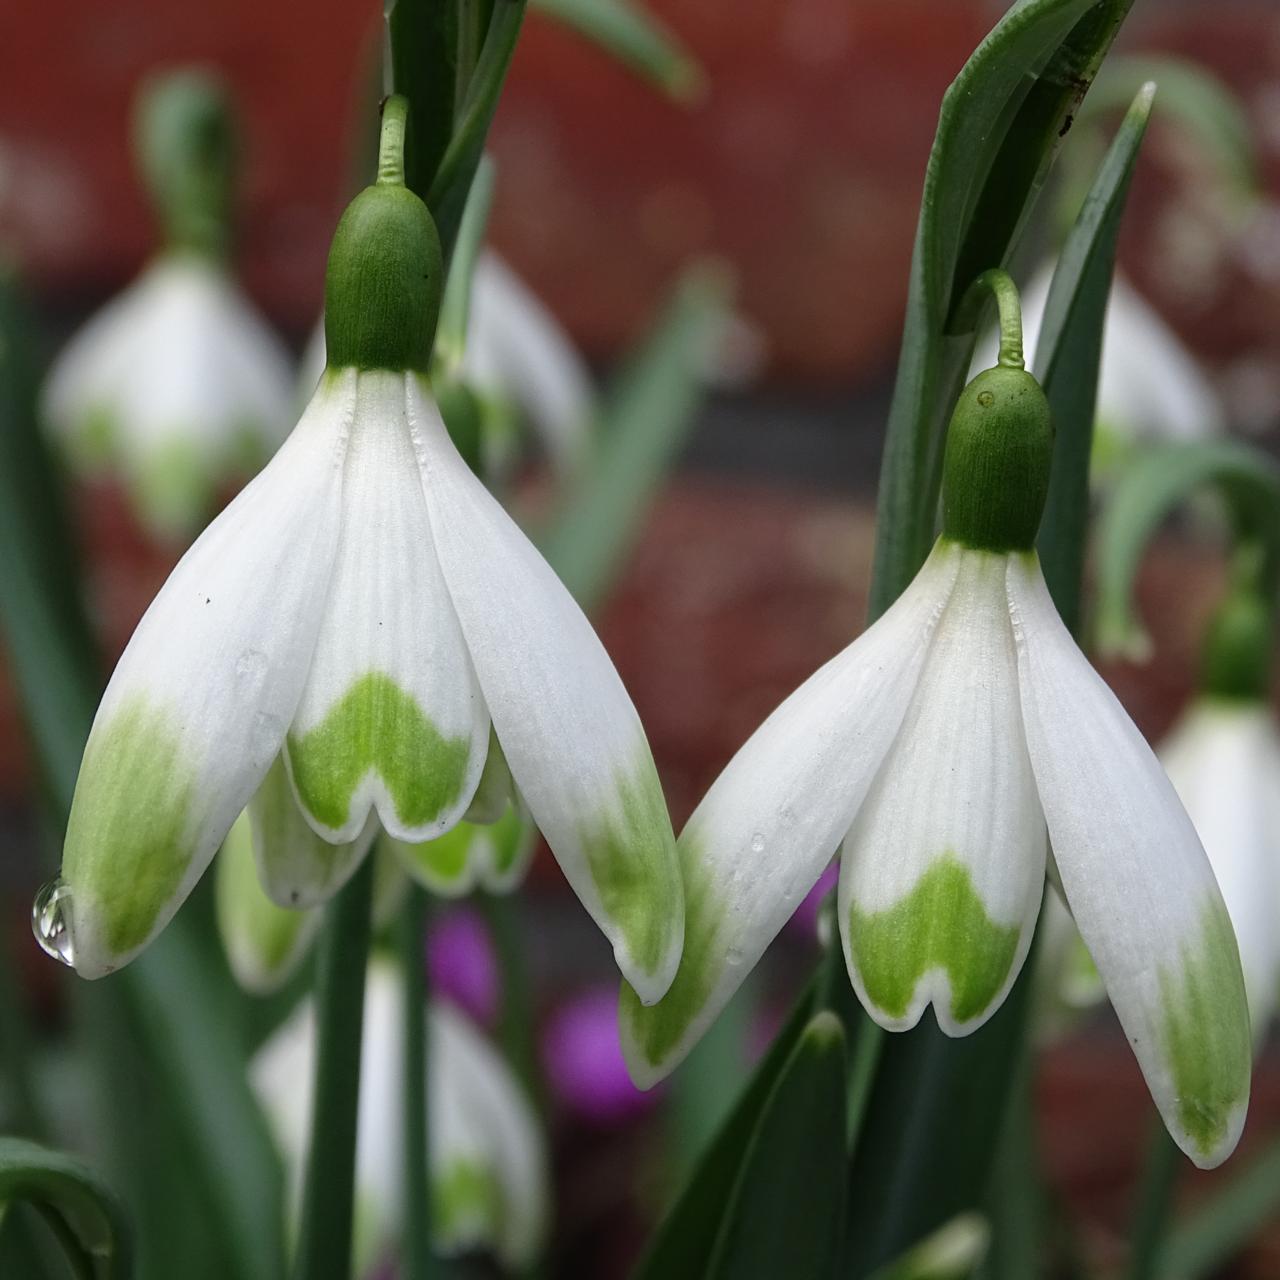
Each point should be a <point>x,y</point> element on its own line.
<point>773,819</point>
<point>198,705</point>
<point>1223,757</point>
<point>488,1157</point>
<point>943,869</point>
<point>392,717</point>
<point>573,741</point>
<point>515,347</point>
<point>1137,881</point>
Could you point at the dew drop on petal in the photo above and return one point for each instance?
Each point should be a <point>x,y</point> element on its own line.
<point>51,921</point>
<point>757,843</point>
<point>251,665</point>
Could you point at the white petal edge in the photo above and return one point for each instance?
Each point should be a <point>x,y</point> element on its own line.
<point>1136,878</point>
<point>574,743</point>
<point>773,820</point>
<point>217,664</point>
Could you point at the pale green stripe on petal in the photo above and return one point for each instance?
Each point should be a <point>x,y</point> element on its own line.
<point>466,1206</point>
<point>130,837</point>
<point>376,730</point>
<point>940,928</point>
<point>1205,1035</point>
<point>446,865</point>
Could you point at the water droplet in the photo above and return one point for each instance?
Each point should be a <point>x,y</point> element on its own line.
<point>51,921</point>
<point>251,665</point>
<point>733,957</point>
<point>757,843</point>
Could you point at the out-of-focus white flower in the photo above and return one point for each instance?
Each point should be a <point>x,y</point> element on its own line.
<point>516,356</point>
<point>1149,385</point>
<point>178,387</point>
<point>487,1155</point>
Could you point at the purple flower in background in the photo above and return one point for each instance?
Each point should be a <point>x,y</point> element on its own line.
<point>805,920</point>
<point>462,966</point>
<point>583,1059</point>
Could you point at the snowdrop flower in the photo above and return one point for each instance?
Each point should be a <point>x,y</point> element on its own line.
<point>943,752</point>
<point>487,1156</point>
<point>177,387</point>
<point>516,355</point>
<point>1223,756</point>
<point>1149,385</point>
<point>366,614</point>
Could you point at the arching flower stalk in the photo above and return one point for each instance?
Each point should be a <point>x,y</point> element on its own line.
<point>944,752</point>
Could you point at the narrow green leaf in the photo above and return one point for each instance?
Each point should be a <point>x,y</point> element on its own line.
<point>1069,353</point>
<point>424,68</point>
<point>645,418</point>
<point>455,310</point>
<point>82,1211</point>
<point>636,38</point>
<point>786,1215</point>
<point>1149,490</point>
<point>681,1247</point>
<point>1001,123</point>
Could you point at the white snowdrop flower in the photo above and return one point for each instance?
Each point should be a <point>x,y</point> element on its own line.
<point>943,752</point>
<point>366,611</point>
<point>486,1153</point>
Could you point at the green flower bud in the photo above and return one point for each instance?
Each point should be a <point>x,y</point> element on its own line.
<point>386,275</point>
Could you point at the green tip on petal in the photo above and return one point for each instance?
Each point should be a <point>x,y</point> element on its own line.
<point>996,468</point>
<point>1237,650</point>
<point>940,926</point>
<point>1207,1040</point>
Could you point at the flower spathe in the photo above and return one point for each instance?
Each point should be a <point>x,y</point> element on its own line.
<point>177,386</point>
<point>366,611</point>
<point>487,1156</point>
<point>942,753</point>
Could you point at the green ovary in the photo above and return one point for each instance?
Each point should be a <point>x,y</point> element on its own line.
<point>658,1029</point>
<point>377,728</point>
<point>631,853</point>
<point>940,924</point>
<point>1205,1031</point>
<point>131,830</point>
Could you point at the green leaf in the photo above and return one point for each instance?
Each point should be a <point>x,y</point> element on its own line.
<point>423,36</point>
<point>636,38</point>
<point>1068,355</point>
<point>451,333</point>
<point>83,1213</point>
<point>1001,123</point>
<point>1148,491</point>
<point>681,1247</point>
<point>645,419</point>
<point>786,1214</point>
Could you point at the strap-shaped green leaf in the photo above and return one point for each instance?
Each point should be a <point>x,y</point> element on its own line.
<point>1000,126</point>
<point>455,310</point>
<point>1069,353</point>
<point>786,1214</point>
<point>1153,487</point>
<point>636,38</point>
<point>645,418</point>
<point>83,1213</point>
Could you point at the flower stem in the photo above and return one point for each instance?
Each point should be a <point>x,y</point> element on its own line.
<point>395,115</point>
<point>1008,304</point>
<point>1155,1201</point>
<point>417,1263</point>
<point>324,1240</point>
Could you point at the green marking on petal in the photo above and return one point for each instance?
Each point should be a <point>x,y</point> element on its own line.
<point>1205,1030</point>
<point>130,834</point>
<point>442,862</point>
<point>657,1029</point>
<point>378,728</point>
<point>510,838</point>
<point>173,487</point>
<point>940,924</point>
<point>466,1203</point>
<point>630,850</point>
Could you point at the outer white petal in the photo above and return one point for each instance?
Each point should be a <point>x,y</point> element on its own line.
<point>773,819</point>
<point>483,1135</point>
<point>516,347</point>
<point>575,746</point>
<point>1224,760</point>
<point>943,870</point>
<point>392,717</point>
<point>198,705</point>
<point>1137,881</point>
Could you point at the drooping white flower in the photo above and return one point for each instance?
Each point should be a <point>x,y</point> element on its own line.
<point>486,1153</point>
<point>1149,385</point>
<point>516,353</point>
<point>366,612</point>
<point>178,387</point>
<point>943,752</point>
